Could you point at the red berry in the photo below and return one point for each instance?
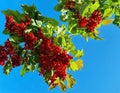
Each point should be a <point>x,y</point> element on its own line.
<point>82,22</point>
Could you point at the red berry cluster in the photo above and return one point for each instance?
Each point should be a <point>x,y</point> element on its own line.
<point>3,56</point>
<point>14,27</point>
<point>30,40</point>
<point>94,20</point>
<point>70,4</point>
<point>52,57</point>
<point>19,29</point>
<point>82,22</point>
<point>90,23</point>
<point>8,51</point>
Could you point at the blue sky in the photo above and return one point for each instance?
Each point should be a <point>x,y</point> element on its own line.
<point>101,72</point>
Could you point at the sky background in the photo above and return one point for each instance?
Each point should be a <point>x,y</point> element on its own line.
<point>101,72</point>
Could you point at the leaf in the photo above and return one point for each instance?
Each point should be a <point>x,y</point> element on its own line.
<point>62,86</point>
<point>73,66</point>
<point>76,65</point>
<point>60,83</point>
<point>23,70</point>
<point>106,22</point>
<point>107,13</point>
<point>28,30</point>
<point>58,7</point>
<point>64,17</point>
<point>51,21</point>
<point>71,26</point>
<point>79,64</point>
<point>5,32</point>
<point>117,21</point>
<point>17,16</point>
<point>52,86</point>
<point>94,6</point>
<point>31,11</point>
<point>70,81</point>
<point>7,68</point>
<point>79,53</point>
<point>15,39</point>
<point>85,8</point>
<point>47,75</point>
<point>61,30</point>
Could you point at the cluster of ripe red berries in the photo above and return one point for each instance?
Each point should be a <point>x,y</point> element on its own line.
<point>90,23</point>
<point>53,58</point>
<point>19,29</point>
<point>70,4</point>
<point>8,51</point>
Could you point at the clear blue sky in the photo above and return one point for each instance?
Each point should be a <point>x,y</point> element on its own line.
<point>101,72</point>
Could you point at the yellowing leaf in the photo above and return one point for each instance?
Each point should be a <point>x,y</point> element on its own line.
<point>79,64</point>
<point>70,81</point>
<point>60,83</point>
<point>76,65</point>
<point>106,22</point>
<point>79,53</point>
<point>62,86</point>
<point>73,66</point>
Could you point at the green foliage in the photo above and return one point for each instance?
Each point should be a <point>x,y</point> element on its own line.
<point>61,35</point>
<point>31,11</point>
<point>5,32</point>
<point>17,16</point>
<point>8,67</point>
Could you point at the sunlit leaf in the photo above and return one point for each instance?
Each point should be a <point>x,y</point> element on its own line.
<point>79,64</point>
<point>106,22</point>
<point>107,13</point>
<point>73,66</point>
<point>94,6</point>
<point>70,81</point>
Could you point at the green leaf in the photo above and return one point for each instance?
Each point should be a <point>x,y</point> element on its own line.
<point>117,21</point>
<point>58,7</point>
<point>15,39</point>
<point>7,68</point>
<point>16,15</point>
<point>79,53</point>
<point>50,21</point>
<point>94,6</point>
<point>23,70</point>
<point>70,81</point>
<point>107,13</point>
<point>5,32</point>
<point>64,17</point>
<point>47,75</point>
<point>26,68</point>
<point>71,26</point>
<point>28,30</point>
<point>85,8</point>
<point>31,11</point>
